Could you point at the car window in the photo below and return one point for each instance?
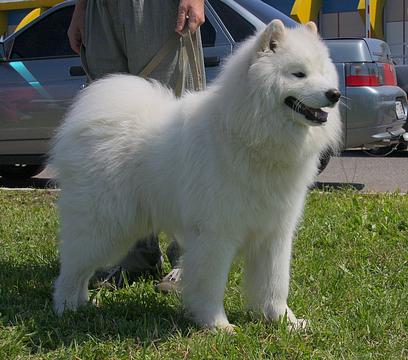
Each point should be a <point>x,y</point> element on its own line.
<point>46,38</point>
<point>208,34</point>
<point>237,26</point>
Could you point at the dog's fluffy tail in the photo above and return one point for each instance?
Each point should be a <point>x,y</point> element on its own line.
<point>101,113</point>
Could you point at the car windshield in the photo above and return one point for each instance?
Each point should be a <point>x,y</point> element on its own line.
<point>265,11</point>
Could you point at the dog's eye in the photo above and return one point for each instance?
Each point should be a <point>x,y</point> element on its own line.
<point>299,74</point>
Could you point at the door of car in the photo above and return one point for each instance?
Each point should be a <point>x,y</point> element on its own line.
<point>230,28</point>
<point>216,43</point>
<point>36,82</point>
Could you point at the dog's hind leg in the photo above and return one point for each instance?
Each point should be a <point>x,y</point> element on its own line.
<point>206,262</point>
<point>78,259</point>
<point>84,248</point>
<point>71,288</point>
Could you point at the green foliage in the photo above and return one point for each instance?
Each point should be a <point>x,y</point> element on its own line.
<point>349,278</point>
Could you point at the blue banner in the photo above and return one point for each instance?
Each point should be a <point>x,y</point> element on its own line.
<point>282,5</point>
<point>333,6</point>
<point>15,16</point>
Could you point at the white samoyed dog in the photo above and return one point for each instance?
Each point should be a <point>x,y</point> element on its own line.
<point>225,170</point>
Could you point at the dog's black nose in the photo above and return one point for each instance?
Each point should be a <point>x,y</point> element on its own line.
<point>333,95</point>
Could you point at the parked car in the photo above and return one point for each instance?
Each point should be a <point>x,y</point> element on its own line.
<point>40,75</point>
<point>376,108</point>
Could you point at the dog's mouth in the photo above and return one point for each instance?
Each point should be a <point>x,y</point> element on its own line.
<point>316,116</point>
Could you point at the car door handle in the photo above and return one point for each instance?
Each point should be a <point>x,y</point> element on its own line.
<point>211,61</point>
<point>77,71</point>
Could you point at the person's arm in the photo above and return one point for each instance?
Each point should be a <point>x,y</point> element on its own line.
<point>76,30</point>
<point>191,11</point>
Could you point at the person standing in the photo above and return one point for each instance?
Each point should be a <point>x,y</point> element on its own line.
<point>123,36</point>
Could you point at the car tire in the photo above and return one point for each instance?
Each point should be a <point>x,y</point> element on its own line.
<point>20,171</point>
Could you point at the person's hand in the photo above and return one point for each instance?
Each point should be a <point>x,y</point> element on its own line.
<point>191,11</point>
<point>76,30</point>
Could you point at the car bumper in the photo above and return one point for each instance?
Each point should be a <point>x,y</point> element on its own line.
<point>23,151</point>
<point>375,121</point>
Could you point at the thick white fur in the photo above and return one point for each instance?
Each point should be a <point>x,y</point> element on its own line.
<point>225,170</point>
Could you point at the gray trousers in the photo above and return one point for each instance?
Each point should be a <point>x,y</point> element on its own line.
<point>122,36</point>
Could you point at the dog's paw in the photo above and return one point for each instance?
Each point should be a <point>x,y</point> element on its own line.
<point>293,323</point>
<point>58,309</point>
<point>63,304</point>
<point>297,324</point>
<point>229,329</point>
<point>61,307</point>
<point>284,314</point>
<point>218,326</point>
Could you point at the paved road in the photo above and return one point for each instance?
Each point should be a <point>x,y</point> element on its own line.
<point>353,168</point>
<point>366,173</point>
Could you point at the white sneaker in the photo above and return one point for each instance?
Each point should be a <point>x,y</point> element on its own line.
<point>171,282</point>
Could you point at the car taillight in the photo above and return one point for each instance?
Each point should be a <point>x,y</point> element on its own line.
<point>370,74</point>
<point>388,74</point>
<point>362,74</point>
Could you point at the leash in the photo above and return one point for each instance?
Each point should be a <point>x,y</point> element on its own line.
<point>189,45</point>
<point>190,54</point>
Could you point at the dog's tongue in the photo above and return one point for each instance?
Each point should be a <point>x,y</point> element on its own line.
<point>317,115</point>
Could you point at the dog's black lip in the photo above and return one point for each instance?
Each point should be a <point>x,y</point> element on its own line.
<point>317,116</point>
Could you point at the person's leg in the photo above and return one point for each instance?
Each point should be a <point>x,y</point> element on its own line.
<point>127,46</point>
<point>144,257</point>
<point>148,25</point>
<point>104,51</point>
<point>171,282</point>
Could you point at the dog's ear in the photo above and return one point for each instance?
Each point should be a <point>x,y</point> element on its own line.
<point>311,26</point>
<point>271,36</point>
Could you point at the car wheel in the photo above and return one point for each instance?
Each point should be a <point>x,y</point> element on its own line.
<point>324,160</point>
<point>20,171</point>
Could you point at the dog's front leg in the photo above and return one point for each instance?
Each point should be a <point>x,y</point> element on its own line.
<point>267,277</point>
<point>206,264</point>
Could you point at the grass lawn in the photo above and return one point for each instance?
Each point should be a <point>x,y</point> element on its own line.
<point>349,278</point>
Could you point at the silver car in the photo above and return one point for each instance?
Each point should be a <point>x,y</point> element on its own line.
<point>40,75</point>
<point>375,107</point>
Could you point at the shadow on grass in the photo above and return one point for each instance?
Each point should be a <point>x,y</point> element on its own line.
<point>32,183</point>
<point>330,186</point>
<point>137,313</point>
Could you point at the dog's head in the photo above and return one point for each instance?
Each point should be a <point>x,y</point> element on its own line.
<point>294,68</point>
